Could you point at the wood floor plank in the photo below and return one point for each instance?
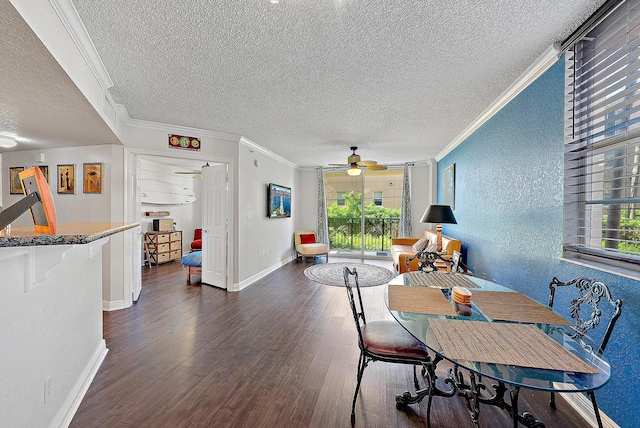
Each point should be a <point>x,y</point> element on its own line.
<point>282,352</point>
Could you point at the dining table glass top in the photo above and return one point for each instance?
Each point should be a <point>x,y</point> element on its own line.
<point>506,336</point>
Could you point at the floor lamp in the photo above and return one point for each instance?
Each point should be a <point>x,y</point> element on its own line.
<point>438,214</point>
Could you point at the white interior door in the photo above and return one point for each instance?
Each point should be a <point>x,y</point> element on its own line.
<point>214,225</point>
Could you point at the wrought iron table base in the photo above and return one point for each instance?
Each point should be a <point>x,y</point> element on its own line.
<point>470,392</point>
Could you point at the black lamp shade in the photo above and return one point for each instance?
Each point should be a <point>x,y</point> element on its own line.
<point>438,214</point>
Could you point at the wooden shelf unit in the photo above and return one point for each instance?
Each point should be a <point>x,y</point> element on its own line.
<point>164,246</point>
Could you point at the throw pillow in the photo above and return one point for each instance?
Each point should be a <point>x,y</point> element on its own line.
<point>431,248</point>
<point>307,238</point>
<point>419,246</point>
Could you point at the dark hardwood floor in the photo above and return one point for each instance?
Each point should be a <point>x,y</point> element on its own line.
<point>280,353</point>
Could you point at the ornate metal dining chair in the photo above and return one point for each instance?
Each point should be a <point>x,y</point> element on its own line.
<point>380,340</point>
<point>426,261</point>
<point>593,295</point>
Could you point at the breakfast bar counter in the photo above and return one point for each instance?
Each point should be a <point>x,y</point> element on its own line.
<point>53,290</point>
<point>67,234</point>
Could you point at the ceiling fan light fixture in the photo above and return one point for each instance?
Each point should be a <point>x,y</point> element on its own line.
<point>354,170</point>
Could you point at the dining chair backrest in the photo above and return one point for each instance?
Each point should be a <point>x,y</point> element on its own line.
<point>426,261</point>
<point>356,307</point>
<point>587,309</point>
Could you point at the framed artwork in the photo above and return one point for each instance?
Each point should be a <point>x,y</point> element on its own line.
<point>45,171</point>
<point>279,201</point>
<point>92,177</point>
<point>15,188</point>
<point>184,143</point>
<point>67,179</point>
<point>450,186</point>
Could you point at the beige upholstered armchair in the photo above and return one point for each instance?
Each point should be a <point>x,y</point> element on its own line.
<point>307,245</point>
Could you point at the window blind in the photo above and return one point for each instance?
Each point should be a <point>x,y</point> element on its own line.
<point>602,140</point>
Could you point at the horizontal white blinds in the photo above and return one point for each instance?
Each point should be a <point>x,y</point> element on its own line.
<point>602,144</point>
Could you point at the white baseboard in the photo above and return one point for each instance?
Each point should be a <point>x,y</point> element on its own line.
<point>113,305</point>
<point>582,404</point>
<point>70,406</point>
<point>247,282</point>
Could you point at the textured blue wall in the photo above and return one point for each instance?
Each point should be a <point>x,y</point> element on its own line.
<point>508,204</point>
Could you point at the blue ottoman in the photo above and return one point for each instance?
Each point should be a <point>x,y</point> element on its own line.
<point>193,263</point>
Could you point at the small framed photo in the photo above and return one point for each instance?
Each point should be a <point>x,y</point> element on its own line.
<point>15,187</point>
<point>45,171</point>
<point>450,186</point>
<point>67,179</point>
<point>92,177</point>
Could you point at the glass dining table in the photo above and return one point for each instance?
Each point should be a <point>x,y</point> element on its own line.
<point>495,340</point>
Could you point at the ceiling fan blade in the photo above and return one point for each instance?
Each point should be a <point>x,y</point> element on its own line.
<point>188,172</point>
<point>339,164</point>
<point>367,163</point>
<point>376,167</point>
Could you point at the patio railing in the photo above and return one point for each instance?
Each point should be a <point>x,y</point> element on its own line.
<point>346,233</point>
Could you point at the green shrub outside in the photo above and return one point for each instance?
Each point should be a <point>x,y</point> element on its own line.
<point>345,224</point>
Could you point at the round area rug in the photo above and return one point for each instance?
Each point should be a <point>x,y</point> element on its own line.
<point>333,274</point>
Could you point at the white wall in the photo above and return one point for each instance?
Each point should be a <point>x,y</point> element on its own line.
<point>80,206</point>
<point>264,244</point>
<point>52,331</point>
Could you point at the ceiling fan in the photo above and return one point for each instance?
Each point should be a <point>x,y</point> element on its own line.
<point>196,174</point>
<point>356,165</point>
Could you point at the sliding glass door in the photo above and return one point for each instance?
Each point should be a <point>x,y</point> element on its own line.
<point>369,202</point>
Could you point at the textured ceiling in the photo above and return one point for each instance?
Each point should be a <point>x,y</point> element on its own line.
<point>305,79</point>
<point>38,101</point>
<point>308,78</point>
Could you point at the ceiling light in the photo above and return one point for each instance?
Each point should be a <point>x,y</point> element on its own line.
<point>7,142</point>
<point>354,170</point>
<point>273,1</point>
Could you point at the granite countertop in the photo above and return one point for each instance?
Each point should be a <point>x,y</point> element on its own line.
<point>67,234</point>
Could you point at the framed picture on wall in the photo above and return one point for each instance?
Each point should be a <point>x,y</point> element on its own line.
<point>279,201</point>
<point>449,181</point>
<point>67,179</point>
<point>92,177</point>
<point>45,171</point>
<point>15,188</point>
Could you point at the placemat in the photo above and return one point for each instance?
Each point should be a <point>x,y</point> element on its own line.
<point>522,345</point>
<point>507,306</point>
<point>423,300</point>
<point>444,280</point>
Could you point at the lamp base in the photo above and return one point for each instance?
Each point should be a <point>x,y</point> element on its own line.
<point>439,238</point>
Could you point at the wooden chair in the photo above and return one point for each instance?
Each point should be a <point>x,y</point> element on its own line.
<point>427,261</point>
<point>593,295</point>
<point>383,340</point>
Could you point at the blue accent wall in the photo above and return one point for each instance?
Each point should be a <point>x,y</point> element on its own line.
<point>508,204</point>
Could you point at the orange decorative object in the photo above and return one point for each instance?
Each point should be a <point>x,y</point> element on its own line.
<point>43,213</point>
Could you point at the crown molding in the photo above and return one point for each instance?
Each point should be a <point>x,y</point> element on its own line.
<point>173,129</point>
<point>69,17</point>
<point>550,56</point>
<point>253,146</point>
